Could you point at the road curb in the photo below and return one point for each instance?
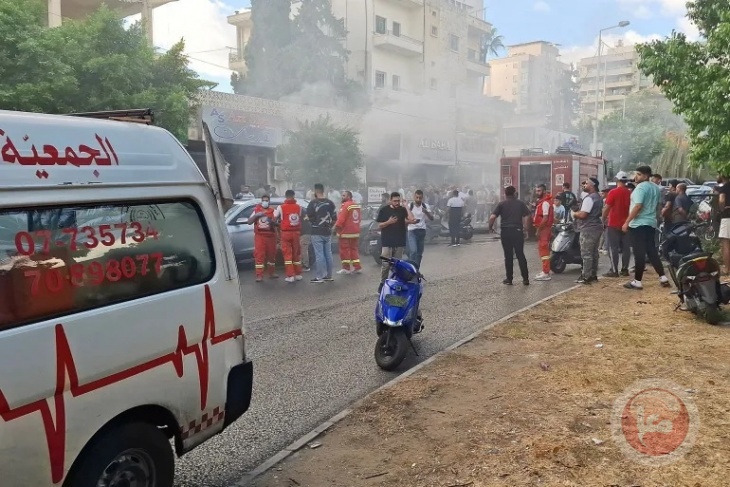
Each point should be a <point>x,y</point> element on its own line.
<point>321,428</point>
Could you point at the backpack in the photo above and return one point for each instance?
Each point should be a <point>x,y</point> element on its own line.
<point>410,206</point>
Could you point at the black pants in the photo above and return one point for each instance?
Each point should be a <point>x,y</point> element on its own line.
<point>644,245</point>
<point>513,242</point>
<point>455,225</point>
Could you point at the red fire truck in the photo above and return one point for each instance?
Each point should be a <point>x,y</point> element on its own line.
<point>525,172</point>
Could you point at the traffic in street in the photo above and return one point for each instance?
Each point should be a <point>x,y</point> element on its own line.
<point>312,346</point>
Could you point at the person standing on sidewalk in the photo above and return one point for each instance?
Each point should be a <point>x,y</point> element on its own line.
<point>393,221</point>
<point>642,226</point>
<point>590,226</point>
<point>289,215</point>
<point>305,240</point>
<point>543,223</point>
<point>615,213</point>
<point>456,208</point>
<point>348,230</point>
<point>322,216</point>
<point>515,217</point>
<point>417,231</point>
<point>264,243</point>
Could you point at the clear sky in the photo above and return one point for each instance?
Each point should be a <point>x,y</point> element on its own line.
<point>574,24</point>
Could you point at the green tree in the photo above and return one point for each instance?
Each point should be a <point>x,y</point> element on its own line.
<point>695,76</point>
<point>321,152</point>
<point>492,43</point>
<point>637,135</point>
<point>90,65</point>
<point>269,73</point>
<point>566,104</point>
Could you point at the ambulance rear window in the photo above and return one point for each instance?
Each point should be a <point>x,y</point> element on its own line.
<point>60,260</point>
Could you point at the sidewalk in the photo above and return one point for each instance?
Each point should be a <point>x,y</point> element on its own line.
<point>533,402</point>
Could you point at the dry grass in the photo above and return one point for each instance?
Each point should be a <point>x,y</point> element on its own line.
<point>489,414</point>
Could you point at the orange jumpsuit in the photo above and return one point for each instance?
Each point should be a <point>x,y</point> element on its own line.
<point>290,214</point>
<point>348,231</point>
<point>264,246</point>
<point>544,211</point>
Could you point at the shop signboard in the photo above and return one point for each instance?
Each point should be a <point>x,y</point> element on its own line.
<point>243,128</point>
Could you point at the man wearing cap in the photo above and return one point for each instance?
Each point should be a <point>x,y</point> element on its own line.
<point>615,213</point>
<point>642,225</point>
<point>590,226</point>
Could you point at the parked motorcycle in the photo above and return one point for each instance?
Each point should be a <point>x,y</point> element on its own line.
<point>696,274</point>
<point>565,248</point>
<point>467,230</point>
<point>397,314</point>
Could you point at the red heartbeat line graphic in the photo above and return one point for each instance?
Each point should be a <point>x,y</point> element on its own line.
<point>65,367</point>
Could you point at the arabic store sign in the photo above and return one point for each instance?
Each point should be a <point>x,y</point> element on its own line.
<point>16,151</point>
<point>435,150</point>
<point>243,128</point>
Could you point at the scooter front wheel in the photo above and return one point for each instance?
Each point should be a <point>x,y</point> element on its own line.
<point>391,349</point>
<point>557,263</point>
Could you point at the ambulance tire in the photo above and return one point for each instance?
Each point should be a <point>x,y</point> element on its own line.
<point>139,448</point>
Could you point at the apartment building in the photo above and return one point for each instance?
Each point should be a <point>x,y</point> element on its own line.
<point>58,10</point>
<point>616,74</point>
<point>530,77</point>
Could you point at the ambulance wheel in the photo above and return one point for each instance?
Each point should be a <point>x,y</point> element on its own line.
<point>136,454</point>
<point>557,263</point>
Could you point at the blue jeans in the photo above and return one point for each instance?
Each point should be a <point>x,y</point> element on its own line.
<point>323,255</point>
<point>416,242</point>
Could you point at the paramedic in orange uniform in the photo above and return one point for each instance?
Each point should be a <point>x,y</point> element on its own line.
<point>289,215</point>
<point>543,222</point>
<point>264,247</point>
<point>348,231</point>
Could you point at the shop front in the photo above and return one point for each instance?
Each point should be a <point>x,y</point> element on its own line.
<point>431,157</point>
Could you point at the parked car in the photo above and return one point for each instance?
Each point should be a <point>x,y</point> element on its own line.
<point>698,190</point>
<point>242,233</point>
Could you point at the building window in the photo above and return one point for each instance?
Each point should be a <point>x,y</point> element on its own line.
<point>454,43</point>
<point>396,29</point>
<point>379,79</point>
<point>396,82</point>
<point>434,31</point>
<point>434,84</point>
<point>381,25</point>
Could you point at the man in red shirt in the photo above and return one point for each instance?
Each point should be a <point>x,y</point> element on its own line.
<point>264,243</point>
<point>615,212</point>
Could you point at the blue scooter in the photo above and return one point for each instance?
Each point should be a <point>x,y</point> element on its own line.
<point>397,315</point>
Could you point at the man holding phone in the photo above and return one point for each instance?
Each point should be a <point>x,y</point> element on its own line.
<point>392,222</point>
<point>417,231</point>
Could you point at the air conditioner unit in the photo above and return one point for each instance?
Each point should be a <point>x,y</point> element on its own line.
<point>279,173</point>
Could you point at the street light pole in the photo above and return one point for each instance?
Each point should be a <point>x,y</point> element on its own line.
<point>623,23</point>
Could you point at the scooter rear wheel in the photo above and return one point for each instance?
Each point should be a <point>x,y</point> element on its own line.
<point>391,349</point>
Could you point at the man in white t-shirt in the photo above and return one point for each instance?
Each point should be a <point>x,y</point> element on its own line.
<point>417,231</point>
<point>456,208</point>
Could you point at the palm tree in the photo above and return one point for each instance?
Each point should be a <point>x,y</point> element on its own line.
<point>491,44</point>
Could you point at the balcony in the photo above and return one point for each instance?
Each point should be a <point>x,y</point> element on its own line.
<point>78,9</point>
<point>475,65</point>
<point>398,44</point>
<point>478,26</point>
<point>241,19</point>
<point>236,61</point>
<point>410,4</point>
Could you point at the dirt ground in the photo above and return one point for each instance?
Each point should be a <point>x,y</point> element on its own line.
<point>531,402</point>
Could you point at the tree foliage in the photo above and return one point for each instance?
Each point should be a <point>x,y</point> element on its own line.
<point>638,135</point>
<point>321,152</point>
<point>305,54</point>
<point>492,44</point>
<point>566,104</point>
<point>90,65</point>
<point>695,76</point>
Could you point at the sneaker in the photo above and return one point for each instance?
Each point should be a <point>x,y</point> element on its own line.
<point>634,285</point>
<point>507,282</point>
<point>259,278</point>
<point>306,269</point>
<point>526,282</point>
<point>298,278</point>
<point>664,281</point>
<point>289,279</point>
<point>624,273</point>
<point>457,245</point>
<point>593,279</point>
<point>344,271</point>
<point>543,277</point>
<point>583,280</point>
<point>357,271</point>
<point>316,281</point>
<point>611,274</point>
<point>328,279</point>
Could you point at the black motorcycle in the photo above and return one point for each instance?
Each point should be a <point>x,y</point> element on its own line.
<point>696,274</point>
<point>565,247</point>
<point>467,230</point>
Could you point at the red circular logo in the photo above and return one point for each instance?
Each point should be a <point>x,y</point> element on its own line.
<point>655,422</point>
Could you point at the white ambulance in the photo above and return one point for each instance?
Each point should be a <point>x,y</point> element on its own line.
<point>121,327</point>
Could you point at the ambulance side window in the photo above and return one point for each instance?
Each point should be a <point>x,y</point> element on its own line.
<point>60,260</point>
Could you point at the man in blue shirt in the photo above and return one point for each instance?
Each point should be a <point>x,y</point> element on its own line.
<point>642,225</point>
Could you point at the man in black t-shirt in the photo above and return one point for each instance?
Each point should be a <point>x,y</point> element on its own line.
<point>393,221</point>
<point>515,218</point>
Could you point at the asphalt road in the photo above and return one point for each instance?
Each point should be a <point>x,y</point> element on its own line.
<point>312,346</point>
